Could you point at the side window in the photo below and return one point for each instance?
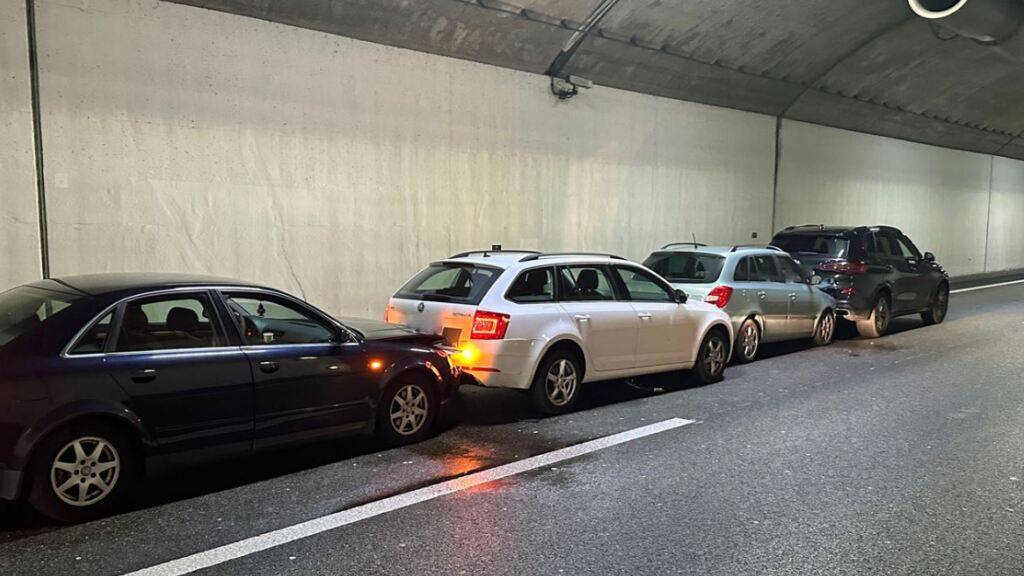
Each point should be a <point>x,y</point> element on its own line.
<point>885,245</point>
<point>168,322</point>
<point>742,273</point>
<point>95,338</point>
<point>790,270</point>
<point>907,248</point>
<point>537,285</point>
<point>584,283</point>
<point>763,269</point>
<point>264,319</point>
<point>642,287</point>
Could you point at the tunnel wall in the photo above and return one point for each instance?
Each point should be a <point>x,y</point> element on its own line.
<point>19,218</point>
<point>181,139</point>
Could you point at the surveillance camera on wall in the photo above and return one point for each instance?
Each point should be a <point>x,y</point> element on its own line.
<point>566,88</point>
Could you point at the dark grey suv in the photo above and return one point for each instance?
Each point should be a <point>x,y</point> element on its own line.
<point>875,273</point>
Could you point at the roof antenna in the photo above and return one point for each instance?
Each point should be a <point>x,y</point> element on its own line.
<point>694,236</point>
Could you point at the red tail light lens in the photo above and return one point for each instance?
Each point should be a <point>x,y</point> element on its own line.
<point>719,296</point>
<point>489,326</point>
<point>843,267</point>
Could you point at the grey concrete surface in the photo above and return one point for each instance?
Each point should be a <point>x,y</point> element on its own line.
<point>901,455</point>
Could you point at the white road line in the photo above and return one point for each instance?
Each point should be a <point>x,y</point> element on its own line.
<point>268,540</point>
<point>986,286</point>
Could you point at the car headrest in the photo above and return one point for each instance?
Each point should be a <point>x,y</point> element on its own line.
<point>182,320</point>
<point>587,280</point>
<point>536,280</point>
<point>135,319</point>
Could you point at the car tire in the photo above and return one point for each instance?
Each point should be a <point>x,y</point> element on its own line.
<point>407,410</point>
<point>748,342</point>
<point>556,385</point>
<point>878,322</point>
<point>711,357</point>
<point>825,329</point>
<point>936,311</point>
<point>83,471</point>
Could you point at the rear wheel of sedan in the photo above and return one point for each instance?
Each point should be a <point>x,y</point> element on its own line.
<point>936,312</point>
<point>406,410</point>
<point>714,351</point>
<point>878,322</point>
<point>825,330</point>
<point>556,386</point>
<point>748,342</point>
<point>83,472</point>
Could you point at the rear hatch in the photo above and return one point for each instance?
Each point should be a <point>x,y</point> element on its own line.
<point>442,299</point>
<point>695,273</point>
<point>812,250</point>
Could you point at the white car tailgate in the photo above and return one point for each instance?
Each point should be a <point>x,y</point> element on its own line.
<point>452,321</point>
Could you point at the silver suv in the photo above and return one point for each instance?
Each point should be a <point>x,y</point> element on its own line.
<point>763,290</point>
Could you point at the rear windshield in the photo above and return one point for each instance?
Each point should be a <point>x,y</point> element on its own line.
<point>24,309</point>
<point>686,267</point>
<point>449,282</point>
<point>823,245</point>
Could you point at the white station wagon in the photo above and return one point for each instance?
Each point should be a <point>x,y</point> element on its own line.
<point>547,323</point>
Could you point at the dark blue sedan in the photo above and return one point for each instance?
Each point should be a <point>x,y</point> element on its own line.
<point>106,377</point>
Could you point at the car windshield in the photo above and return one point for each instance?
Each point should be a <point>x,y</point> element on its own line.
<point>450,282</point>
<point>823,244</point>
<point>686,267</point>
<point>25,308</point>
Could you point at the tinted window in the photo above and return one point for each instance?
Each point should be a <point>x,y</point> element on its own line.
<point>578,283</point>
<point>885,245</point>
<point>686,267</point>
<point>461,283</point>
<point>533,286</point>
<point>643,287</point>
<point>742,273</point>
<point>25,308</point>
<point>168,322</point>
<point>95,338</point>
<point>790,270</point>
<point>823,245</point>
<point>907,248</point>
<point>763,269</point>
<point>264,319</point>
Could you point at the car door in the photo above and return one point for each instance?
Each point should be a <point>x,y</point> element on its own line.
<point>772,295</point>
<point>667,329</point>
<point>802,307</point>
<point>916,279</point>
<point>903,273</point>
<point>188,383</point>
<point>310,376</point>
<point>607,324</point>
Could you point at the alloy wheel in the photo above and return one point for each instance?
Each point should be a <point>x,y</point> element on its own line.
<point>826,327</point>
<point>881,315</point>
<point>714,356</point>
<point>561,382</point>
<point>941,304</point>
<point>409,409</point>
<point>85,471</point>
<point>751,340</point>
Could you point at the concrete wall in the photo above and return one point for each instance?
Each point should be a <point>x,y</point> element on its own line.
<point>184,139</point>
<point>180,139</point>
<point>939,197</point>
<point>19,221</point>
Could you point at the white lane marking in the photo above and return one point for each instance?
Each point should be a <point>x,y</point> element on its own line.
<point>986,286</point>
<point>268,540</point>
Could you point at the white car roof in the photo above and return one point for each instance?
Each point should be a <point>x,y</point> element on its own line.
<point>508,260</point>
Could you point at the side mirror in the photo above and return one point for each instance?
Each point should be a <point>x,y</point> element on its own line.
<point>929,257</point>
<point>681,296</point>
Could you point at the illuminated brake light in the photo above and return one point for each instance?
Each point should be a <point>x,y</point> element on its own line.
<point>843,267</point>
<point>489,326</point>
<point>719,296</point>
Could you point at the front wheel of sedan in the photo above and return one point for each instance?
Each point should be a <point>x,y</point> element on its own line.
<point>406,411</point>
<point>878,322</point>
<point>825,330</point>
<point>83,472</point>
<point>556,386</point>
<point>748,342</point>
<point>714,351</point>
<point>936,313</point>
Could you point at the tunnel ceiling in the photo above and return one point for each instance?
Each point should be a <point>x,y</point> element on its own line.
<point>865,65</point>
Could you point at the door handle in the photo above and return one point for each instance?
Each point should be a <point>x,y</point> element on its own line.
<point>644,315</point>
<point>582,317</point>
<point>144,376</point>
<point>762,295</point>
<point>792,295</point>
<point>269,367</point>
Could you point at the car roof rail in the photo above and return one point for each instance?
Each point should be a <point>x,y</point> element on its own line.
<point>756,246</point>
<point>493,250</point>
<point>694,244</point>
<point>818,226</point>
<point>539,255</point>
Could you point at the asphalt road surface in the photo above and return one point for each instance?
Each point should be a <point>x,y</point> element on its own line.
<point>903,455</point>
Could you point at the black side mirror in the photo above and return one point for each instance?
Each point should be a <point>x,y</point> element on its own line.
<point>681,296</point>
<point>929,257</point>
